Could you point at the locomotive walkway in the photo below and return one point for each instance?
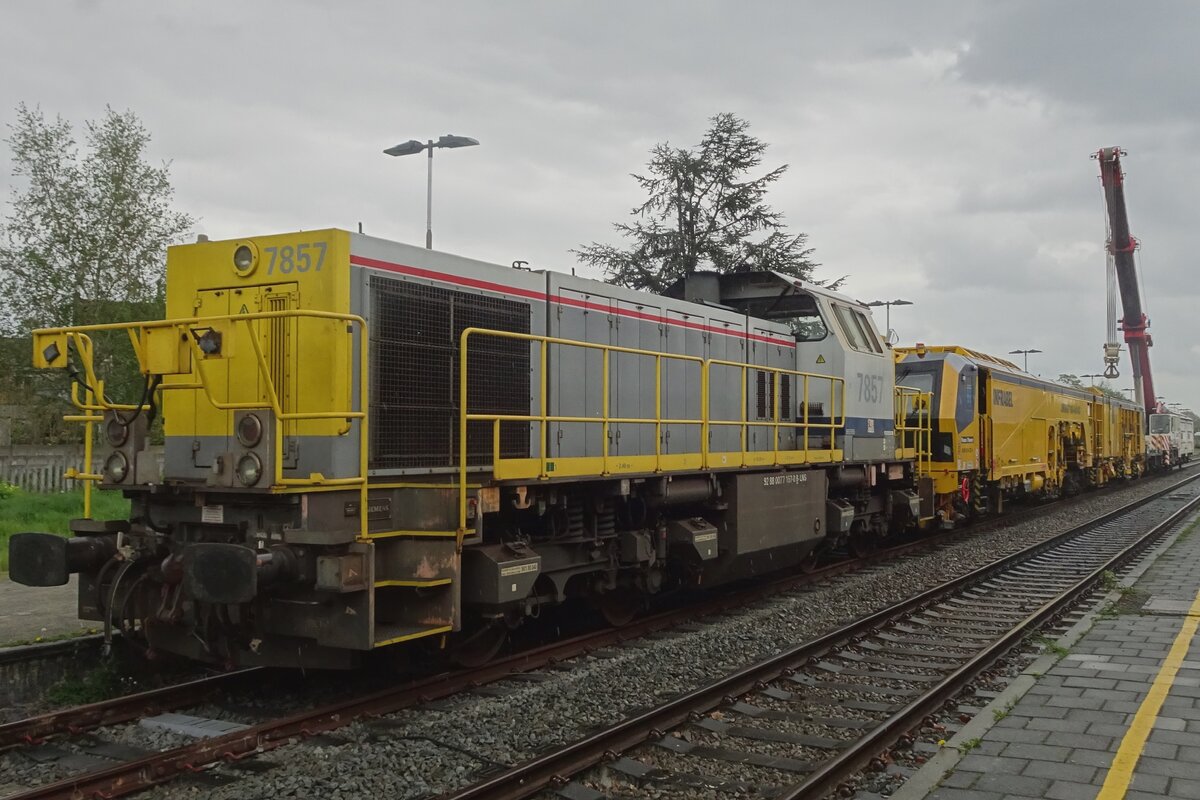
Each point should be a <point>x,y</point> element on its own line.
<point>1118,716</point>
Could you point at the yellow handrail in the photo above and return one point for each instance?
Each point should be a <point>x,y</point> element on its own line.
<point>837,410</point>
<point>910,402</point>
<point>94,401</point>
<point>650,463</point>
<point>544,418</point>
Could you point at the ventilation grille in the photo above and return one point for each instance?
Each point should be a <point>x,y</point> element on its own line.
<point>414,335</point>
<point>765,396</point>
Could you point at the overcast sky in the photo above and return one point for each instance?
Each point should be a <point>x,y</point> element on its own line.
<point>938,151</point>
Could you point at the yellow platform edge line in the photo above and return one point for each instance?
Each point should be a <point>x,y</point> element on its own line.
<point>1120,774</point>
<point>434,582</point>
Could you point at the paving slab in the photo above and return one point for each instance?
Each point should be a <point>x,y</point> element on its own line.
<point>27,612</point>
<point>1130,680</point>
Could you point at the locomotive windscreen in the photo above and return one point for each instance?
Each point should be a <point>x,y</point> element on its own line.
<point>414,332</point>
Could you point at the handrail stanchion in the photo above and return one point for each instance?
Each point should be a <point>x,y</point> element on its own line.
<point>543,404</point>
<point>744,434</point>
<point>704,415</point>
<point>462,435</point>
<point>88,435</point>
<point>604,426</point>
<point>777,379</point>
<point>657,414</point>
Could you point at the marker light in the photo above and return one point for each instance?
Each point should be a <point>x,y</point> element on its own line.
<point>116,432</point>
<point>116,467</point>
<point>249,430</point>
<point>249,469</point>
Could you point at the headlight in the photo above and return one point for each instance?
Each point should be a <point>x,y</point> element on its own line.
<point>116,467</point>
<point>245,258</point>
<point>249,469</point>
<point>249,430</point>
<point>115,432</point>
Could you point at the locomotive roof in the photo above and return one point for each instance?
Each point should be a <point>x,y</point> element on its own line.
<point>759,293</point>
<point>1006,368</point>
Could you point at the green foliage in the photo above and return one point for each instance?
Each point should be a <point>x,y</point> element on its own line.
<point>1049,645</point>
<point>99,684</point>
<point>1105,387</point>
<point>703,212</point>
<point>50,513</point>
<point>7,490</point>
<point>969,745</point>
<point>1108,580</point>
<point>83,242</point>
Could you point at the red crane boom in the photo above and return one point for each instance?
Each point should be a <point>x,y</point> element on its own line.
<point>1121,245</point>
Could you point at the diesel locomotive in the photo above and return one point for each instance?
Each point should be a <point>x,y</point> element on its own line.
<point>368,444</point>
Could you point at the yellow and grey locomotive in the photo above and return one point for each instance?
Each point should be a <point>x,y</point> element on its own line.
<point>368,443</point>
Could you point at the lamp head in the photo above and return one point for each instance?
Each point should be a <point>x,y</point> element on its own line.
<point>450,140</point>
<point>405,148</point>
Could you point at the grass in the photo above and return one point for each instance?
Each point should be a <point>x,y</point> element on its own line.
<point>49,513</point>
<point>51,637</point>
<point>1187,532</point>
<point>1108,580</point>
<point>969,745</point>
<point>99,684</point>
<point>1049,645</point>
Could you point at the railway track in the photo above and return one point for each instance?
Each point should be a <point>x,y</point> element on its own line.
<point>152,768</point>
<point>816,714</point>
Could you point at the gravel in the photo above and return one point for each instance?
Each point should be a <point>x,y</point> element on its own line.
<point>426,751</point>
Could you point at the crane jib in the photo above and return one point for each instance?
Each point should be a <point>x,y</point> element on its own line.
<point>1121,245</point>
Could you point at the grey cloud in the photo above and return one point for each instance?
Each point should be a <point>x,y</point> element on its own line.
<point>937,152</point>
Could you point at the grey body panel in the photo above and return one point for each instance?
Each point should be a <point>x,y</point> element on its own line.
<point>417,265</point>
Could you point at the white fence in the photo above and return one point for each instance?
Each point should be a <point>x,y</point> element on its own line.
<point>40,468</point>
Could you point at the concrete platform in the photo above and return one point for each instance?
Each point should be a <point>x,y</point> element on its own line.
<point>1117,716</point>
<point>28,612</point>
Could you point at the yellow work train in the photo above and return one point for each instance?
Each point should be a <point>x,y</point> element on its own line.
<point>999,433</point>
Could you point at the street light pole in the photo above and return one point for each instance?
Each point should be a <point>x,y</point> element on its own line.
<point>888,313</point>
<point>411,147</point>
<point>1093,376</point>
<point>429,200</point>
<point>1026,354</point>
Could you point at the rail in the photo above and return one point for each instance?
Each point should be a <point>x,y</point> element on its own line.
<point>543,465</point>
<point>556,767</point>
<point>51,348</point>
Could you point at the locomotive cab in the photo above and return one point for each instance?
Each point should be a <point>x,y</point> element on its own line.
<point>953,381</point>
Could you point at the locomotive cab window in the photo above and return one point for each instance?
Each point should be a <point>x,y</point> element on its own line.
<point>807,326</point>
<point>857,330</point>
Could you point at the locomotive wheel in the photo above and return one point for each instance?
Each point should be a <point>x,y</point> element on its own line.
<point>620,606</point>
<point>863,544</point>
<point>809,564</point>
<point>480,646</point>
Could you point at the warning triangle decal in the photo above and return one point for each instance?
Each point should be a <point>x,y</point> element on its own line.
<point>820,359</point>
<point>243,309</point>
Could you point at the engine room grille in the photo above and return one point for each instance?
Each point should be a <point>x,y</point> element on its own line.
<point>765,396</point>
<point>414,332</point>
